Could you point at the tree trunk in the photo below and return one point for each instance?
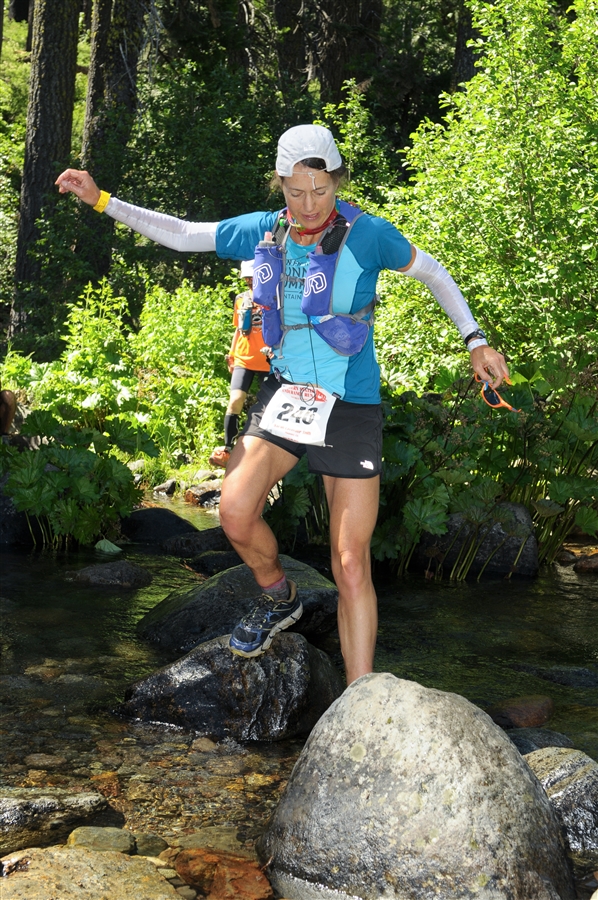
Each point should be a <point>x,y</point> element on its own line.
<point>1,25</point>
<point>465,57</point>
<point>338,27</point>
<point>49,124</point>
<point>292,60</point>
<point>117,31</point>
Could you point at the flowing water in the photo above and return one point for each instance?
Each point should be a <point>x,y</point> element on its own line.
<point>69,651</point>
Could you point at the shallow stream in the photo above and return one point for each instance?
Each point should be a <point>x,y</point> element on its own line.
<point>69,651</point>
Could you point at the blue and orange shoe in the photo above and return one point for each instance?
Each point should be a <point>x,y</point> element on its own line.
<point>254,633</point>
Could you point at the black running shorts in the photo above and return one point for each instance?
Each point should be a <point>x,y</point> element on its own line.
<point>353,438</point>
<point>241,378</point>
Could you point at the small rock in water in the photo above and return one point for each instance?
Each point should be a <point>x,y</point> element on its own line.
<point>529,739</point>
<point>522,712</point>
<point>114,574</point>
<point>148,844</point>
<point>587,564</point>
<point>168,487</point>
<point>102,839</point>
<point>44,761</point>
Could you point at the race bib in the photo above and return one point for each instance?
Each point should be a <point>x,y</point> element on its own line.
<point>299,412</point>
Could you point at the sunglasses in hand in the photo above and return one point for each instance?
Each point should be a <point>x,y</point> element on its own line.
<point>492,397</point>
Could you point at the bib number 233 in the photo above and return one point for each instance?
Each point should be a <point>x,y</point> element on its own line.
<point>300,413</point>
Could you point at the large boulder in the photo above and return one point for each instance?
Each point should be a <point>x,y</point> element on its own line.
<point>500,546</point>
<point>213,608</point>
<point>32,817</point>
<point>153,524</point>
<point>411,793</point>
<point>570,778</point>
<point>271,697</point>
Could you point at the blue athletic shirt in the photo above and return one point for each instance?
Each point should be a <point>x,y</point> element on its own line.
<point>373,244</point>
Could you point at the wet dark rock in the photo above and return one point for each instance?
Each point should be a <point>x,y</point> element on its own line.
<point>168,487</point>
<point>570,676</point>
<point>570,778</point>
<point>213,561</point>
<point>529,739</point>
<point>155,525</point>
<point>271,697</point>
<point>587,565</point>
<point>120,573</point>
<point>13,524</point>
<point>69,873</point>
<point>406,792</point>
<point>149,844</point>
<point>40,816</point>
<point>197,542</point>
<point>445,548</point>
<point>213,608</point>
<point>566,557</point>
<point>102,839</point>
<point>204,494</point>
<point>522,712</point>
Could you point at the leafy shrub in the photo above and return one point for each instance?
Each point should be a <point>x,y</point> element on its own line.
<point>72,486</point>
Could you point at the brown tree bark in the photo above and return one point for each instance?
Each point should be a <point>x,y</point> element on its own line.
<point>465,57</point>
<point>117,38</point>
<point>49,125</point>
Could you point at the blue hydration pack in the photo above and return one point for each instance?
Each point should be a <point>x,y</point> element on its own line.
<point>346,333</point>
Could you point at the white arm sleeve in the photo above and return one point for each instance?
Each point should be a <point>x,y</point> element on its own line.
<point>431,273</point>
<point>178,234</point>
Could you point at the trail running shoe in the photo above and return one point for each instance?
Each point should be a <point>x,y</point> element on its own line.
<point>255,631</point>
<point>220,457</point>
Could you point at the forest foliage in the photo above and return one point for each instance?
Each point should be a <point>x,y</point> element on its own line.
<point>503,189</point>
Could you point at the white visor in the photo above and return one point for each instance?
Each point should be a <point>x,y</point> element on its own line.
<point>306,142</point>
<point>247,268</point>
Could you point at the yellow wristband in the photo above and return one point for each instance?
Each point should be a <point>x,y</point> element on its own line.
<point>102,202</point>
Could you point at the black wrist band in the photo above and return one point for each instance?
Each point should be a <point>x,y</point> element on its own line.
<point>478,333</point>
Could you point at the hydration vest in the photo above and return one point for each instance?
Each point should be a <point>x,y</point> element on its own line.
<point>346,333</point>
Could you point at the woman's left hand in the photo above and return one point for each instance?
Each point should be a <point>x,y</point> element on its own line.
<point>490,365</point>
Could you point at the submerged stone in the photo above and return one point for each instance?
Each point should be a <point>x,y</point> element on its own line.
<point>407,793</point>
<point>213,608</point>
<point>120,573</point>
<point>529,739</point>
<point>102,839</point>
<point>271,697</point>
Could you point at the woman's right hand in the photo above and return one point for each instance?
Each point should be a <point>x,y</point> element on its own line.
<point>80,183</point>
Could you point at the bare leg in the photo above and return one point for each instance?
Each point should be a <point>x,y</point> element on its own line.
<point>255,467</point>
<point>353,504</point>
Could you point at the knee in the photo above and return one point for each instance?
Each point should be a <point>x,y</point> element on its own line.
<point>236,519</point>
<point>352,567</point>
